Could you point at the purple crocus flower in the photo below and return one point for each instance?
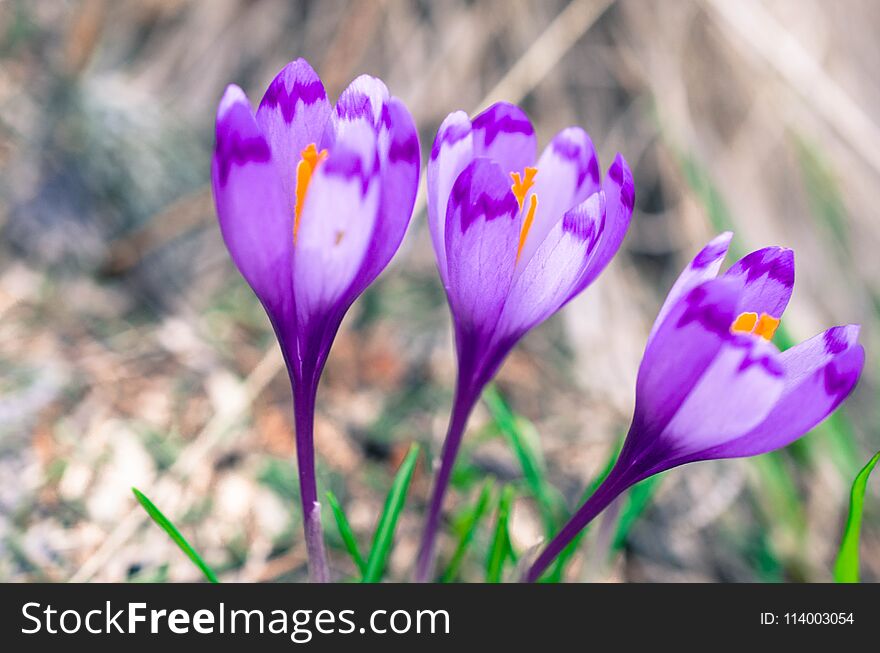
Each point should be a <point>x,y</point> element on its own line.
<point>313,202</point>
<point>515,240</point>
<point>712,384</point>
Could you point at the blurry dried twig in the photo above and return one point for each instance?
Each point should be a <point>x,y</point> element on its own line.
<point>546,51</point>
<point>536,62</point>
<point>754,27</point>
<point>166,492</point>
<point>187,213</point>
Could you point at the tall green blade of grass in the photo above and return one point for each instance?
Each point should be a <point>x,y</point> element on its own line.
<point>346,533</point>
<point>823,194</point>
<point>846,568</point>
<point>388,520</point>
<point>468,530</point>
<point>550,502</point>
<point>500,549</point>
<point>165,524</point>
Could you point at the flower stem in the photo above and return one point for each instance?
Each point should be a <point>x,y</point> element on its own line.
<point>461,410</point>
<point>609,490</point>
<point>304,417</point>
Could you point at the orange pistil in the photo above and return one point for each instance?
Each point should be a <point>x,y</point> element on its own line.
<point>310,160</point>
<point>764,327</point>
<point>521,186</point>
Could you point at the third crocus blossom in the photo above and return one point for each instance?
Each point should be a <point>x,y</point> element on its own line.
<point>712,384</point>
<point>515,239</point>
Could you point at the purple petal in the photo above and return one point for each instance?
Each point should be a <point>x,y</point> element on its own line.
<point>293,114</point>
<point>619,192</point>
<point>735,393</point>
<point>482,234</point>
<point>255,219</point>
<point>364,101</point>
<point>568,173</point>
<point>819,374</point>
<point>545,282</point>
<point>451,153</point>
<point>704,266</point>
<point>504,133</point>
<point>337,223</point>
<point>400,179</point>
<point>767,278</point>
<point>685,345</point>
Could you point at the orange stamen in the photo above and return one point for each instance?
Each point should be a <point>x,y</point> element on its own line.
<point>522,184</point>
<point>745,323</point>
<point>527,224</point>
<point>767,326</point>
<point>764,327</point>
<point>310,160</point>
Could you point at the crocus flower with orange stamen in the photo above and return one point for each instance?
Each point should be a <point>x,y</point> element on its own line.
<point>313,201</point>
<point>515,240</point>
<point>713,385</point>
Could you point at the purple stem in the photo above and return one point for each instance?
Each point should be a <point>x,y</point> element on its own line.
<point>609,490</point>
<point>304,415</point>
<point>465,398</point>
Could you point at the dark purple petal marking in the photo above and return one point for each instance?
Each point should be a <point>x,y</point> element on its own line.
<point>354,105</point>
<point>841,374</point>
<point>701,308</point>
<point>770,261</point>
<point>767,279</point>
<point>501,118</point>
<point>469,192</point>
<point>584,158</point>
<point>711,253</point>
<point>278,95</point>
<point>406,149</point>
<point>621,175</point>
<point>348,164</point>
<point>837,339</point>
<point>449,136</point>
<point>763,357</point>
<point>234,149</point>
<point>583,225</point>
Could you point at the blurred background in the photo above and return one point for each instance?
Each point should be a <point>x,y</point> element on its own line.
<point>132,353</point>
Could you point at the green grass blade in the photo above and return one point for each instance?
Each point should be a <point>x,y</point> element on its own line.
<point>388,520</point>
<point>468,530</point>
<point>165,524</point>
<point>500,548</point>
<point>846,568</point>
<point>550,502</point>
<point>823,192</point>
<point>345,532</point>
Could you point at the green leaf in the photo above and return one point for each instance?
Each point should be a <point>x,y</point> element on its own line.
<point>384,536</point>
<point>500,548</point>
<point>163,522</point>
<point>514,428</point>
<point>345,532</point>
<point>846,568</point>
<point>468,529</point>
